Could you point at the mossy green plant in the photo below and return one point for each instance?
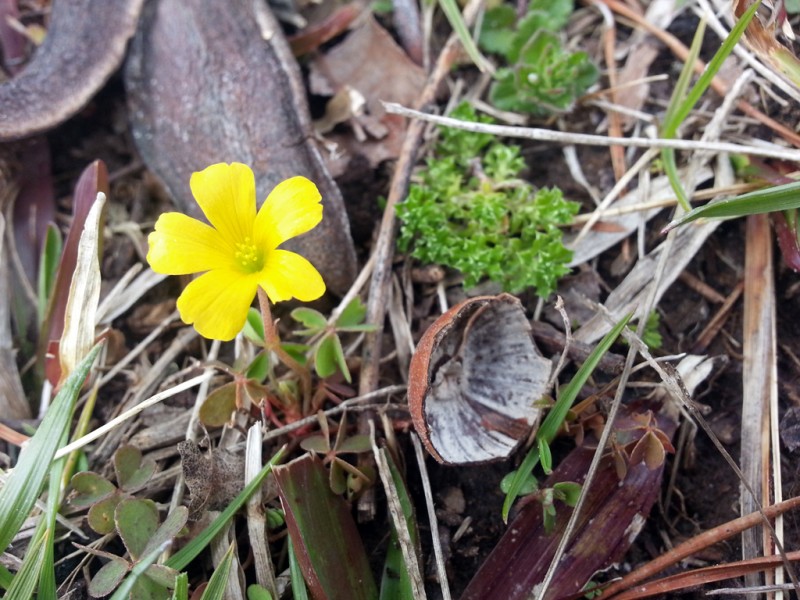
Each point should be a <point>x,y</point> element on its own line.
<point>471,211</point>
<point>540,76</point>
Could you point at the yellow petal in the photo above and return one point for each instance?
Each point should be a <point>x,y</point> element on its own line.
<point>288,275</point>
<point>181,245</point>
<point>292,208</point>
<point>227,196</point>
<point>216,303</point>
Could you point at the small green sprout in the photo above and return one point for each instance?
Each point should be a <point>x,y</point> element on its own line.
<point>651,335</point>
<point>325,345</point>
<point>343,477</point>
<point>471,211</point>
<point>542,77</point>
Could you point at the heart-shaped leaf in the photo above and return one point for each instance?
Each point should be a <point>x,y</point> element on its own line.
<point>219,406</point>
<point>101,514</point>
<point>313,319</point>
<point>329,358</point>
<point>108,577</point>
<point>132,472</point>
<point>90,488</point>
<point>137,521</point>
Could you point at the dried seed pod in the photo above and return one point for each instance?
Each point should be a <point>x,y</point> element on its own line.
<point>474,381</point>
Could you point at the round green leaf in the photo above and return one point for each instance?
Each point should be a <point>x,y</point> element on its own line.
<point>132,472</point>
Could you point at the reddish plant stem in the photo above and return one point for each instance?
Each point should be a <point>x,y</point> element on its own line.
<point>272,342</point>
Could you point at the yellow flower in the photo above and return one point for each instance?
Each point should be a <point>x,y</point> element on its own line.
<point>239,250</point>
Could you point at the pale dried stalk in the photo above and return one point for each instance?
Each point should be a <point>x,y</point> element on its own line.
<point>153,400</point>
<point>256,520</point>
<point>152,377</point>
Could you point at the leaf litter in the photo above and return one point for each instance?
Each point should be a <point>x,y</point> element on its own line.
<point>360,71</point>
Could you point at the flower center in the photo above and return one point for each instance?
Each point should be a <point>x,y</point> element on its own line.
<point>249,257</point>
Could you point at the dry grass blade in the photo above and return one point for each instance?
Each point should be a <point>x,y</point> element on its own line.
<point>760,378</point>
<point>400,525</point>
<point>256,520</point>
<point>441,570</point>
<point>697,577</point>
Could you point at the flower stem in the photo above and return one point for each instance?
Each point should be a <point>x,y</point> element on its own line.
<point>272,342</point>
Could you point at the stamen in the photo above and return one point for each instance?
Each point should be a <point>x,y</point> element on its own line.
<point>248,256</point>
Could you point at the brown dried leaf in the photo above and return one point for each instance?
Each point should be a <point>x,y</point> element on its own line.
<point>369,62</point>
<point>214,478</point>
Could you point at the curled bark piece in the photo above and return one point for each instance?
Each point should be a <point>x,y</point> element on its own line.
<point>84,45</point>
<point>214,81</point>
<point>474,381</point>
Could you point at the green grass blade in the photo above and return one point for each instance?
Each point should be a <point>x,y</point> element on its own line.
<point>711,70</point>
<point>180,560</point>
<point>47,574</point>
<point>48,268</point>
<point>671,123</point>
<point>6,578</point>
<point>677,102</point>
<point>299,590</point>
<point>453,14</point>
<point>181,591</point>
<point>555,418</point>
<point>26,579</point>
<point>777,198</point>
<point>680,106</point>
<point>24,484</point>
<point>215,590</point>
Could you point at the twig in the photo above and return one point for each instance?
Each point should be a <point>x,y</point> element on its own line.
<point>384,246</point>
<point>696,544</point>
<point>588,139</point>
<point>707,194</point>
<point>387,391</point>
